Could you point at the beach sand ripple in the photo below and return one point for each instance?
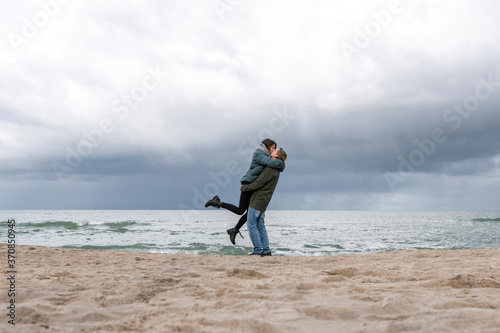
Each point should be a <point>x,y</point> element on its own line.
<point>70,290</point>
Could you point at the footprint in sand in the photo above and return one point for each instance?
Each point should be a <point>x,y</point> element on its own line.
<point>246,274</point>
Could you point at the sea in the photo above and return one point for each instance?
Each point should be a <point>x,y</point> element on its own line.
<point>291,232</point>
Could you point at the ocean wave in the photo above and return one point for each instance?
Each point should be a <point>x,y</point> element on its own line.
<point>192,248</point>
<point>204,248</point>
<point>487,219</point>
<point>68,225</point>
<point>322,246</point>
<point>120,224</point>
<point>138,247</point>
<point>119,227</point>
<point>303,235</point>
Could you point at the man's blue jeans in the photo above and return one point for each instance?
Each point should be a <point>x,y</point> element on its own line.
<point>257,231</point>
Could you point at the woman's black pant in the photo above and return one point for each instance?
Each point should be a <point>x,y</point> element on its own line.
<point>242,208</point>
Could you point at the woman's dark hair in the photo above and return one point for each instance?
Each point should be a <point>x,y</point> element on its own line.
<point>269,143</point>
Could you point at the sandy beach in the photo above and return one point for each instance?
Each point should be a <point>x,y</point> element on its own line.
<point>69,290</point>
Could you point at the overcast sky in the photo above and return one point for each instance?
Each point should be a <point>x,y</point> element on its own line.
<point>160,104</point>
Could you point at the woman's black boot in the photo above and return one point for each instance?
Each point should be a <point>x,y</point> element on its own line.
<point>214,202</point>
<point>232,234</point>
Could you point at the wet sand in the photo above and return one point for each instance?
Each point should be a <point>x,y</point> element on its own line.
<point>69,290</point>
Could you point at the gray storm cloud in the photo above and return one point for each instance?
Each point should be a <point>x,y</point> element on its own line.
<point>159,105</point>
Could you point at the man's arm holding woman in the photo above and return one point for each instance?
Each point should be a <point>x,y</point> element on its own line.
<point>262,180</point>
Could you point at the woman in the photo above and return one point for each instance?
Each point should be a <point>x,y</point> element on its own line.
<point>260,159</point>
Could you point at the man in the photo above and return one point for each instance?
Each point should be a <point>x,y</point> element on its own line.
<point>264,187</point>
